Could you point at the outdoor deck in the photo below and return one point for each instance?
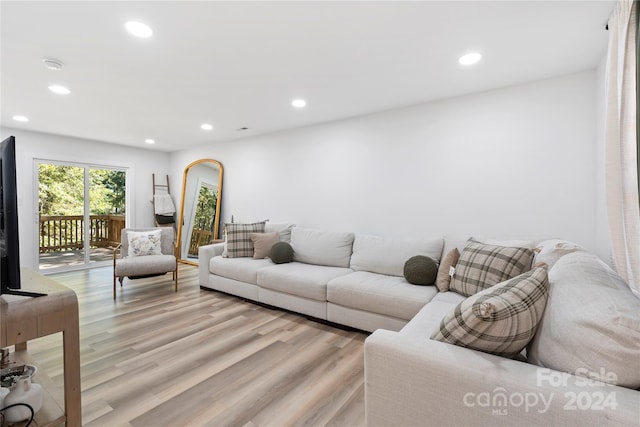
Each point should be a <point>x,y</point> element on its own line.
<point>75,257</point>
<point>62,239</point>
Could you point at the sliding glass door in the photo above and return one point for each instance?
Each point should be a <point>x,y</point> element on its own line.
<point>81,213</point>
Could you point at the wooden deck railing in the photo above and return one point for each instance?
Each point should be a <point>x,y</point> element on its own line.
<point>62,233</point>
<point>199,238</point>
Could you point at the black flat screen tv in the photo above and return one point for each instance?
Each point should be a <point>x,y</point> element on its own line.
<point>9,238</point>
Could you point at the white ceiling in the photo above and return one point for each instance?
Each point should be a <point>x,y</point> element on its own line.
<point>236,64</point>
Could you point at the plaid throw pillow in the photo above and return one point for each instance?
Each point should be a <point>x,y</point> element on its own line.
<point>481,266</point>
<point>238,240</point>
<point>500,320</point>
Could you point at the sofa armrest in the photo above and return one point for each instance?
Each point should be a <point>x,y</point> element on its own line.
<point>413,381</point>
<point>205,253</point>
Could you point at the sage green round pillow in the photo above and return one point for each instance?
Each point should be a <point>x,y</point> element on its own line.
<point>281,253</point>
<point>420,270</point>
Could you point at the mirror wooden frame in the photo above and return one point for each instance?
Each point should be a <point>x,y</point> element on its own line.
<point>216,225</point>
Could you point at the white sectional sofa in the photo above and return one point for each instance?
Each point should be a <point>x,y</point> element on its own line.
<point>353,280</point>
<point>582,367</point>
<point>589,337</point>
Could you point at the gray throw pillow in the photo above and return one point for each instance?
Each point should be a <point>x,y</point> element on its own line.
<point>281,253</point>
<point>420,270</point>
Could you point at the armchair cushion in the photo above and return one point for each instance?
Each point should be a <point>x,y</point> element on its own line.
<point>143,265</point>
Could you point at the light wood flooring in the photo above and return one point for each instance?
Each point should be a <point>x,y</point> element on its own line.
<point>202,358</point>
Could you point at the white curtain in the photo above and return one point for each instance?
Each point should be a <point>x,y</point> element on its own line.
<point>623,207</point>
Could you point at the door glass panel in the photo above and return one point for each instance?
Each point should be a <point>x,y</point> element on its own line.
<point>106,212</point>
<point>61,209</point>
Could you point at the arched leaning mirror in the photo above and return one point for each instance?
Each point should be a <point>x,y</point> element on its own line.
<point>199,208</point>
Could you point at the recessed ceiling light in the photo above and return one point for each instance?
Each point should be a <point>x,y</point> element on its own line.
<point>150,141</point>
<point>299,103</point>
<point>22,119</point>
<point>61,90</point>
<point>138,29</point>
<point>470,58</point>
<point>52,64</point>
<point>206,126</point>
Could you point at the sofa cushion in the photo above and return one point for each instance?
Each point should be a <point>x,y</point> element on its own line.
<point>238,242</point>
<point>242,269</point>
<point>500,320</point>
<point>330,248</point>
<point>387,256</point>
<point>443,279</point>
<point>420,270</point>
<point>378,293</point>
<point>262,243</point>
<point>299,279</point>
<point>591,326</point>
<point>283,229</point>
<point>428,319</point>
<point>481,266</point>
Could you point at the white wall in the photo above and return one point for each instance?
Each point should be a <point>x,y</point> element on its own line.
<point>516,162</point>
<point>140,165</point>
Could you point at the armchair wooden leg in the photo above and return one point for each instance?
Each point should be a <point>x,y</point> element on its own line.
<point>120,279</point>
<point>176,277</point>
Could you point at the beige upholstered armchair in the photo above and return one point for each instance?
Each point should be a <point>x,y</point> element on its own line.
<point>145,252</point>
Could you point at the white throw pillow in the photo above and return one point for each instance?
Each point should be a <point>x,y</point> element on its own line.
<point>143,243</point>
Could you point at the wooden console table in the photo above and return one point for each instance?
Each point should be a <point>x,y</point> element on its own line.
<point>24,318</point>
